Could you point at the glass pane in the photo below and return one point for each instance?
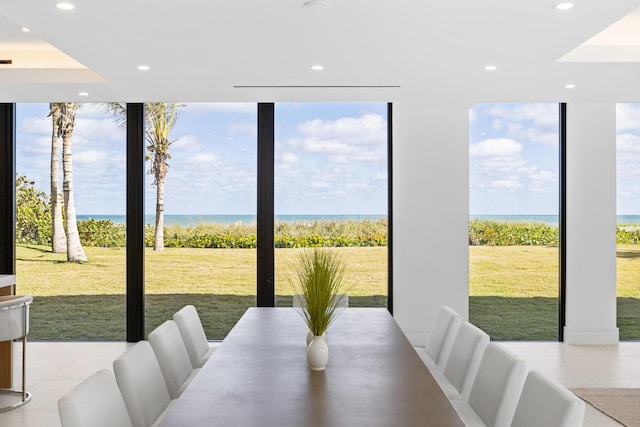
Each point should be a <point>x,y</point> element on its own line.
<point>72,300</point>
<point>208,258</point>
<point>628,230</point>
<point>331,190</point>
<point>513,224</point>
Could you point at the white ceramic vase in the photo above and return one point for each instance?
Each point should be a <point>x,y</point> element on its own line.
<point>310,337</point>
<point>318,354</point>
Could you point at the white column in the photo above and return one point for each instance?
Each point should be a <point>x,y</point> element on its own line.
<point>430,214</point>
<point>591,224</point>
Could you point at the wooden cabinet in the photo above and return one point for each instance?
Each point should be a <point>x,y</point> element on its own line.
<point>7,287</point>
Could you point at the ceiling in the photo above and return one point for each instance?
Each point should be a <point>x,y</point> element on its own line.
<point>371,50</point>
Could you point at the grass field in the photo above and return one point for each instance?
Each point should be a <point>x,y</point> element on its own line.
<point>513,289</point>
<point>87,302</point>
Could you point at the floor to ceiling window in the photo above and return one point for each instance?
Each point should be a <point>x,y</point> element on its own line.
<point>208,257</point>
<point>331,191</point>
<point>628,229</point>
<point>513,224</point>
<point>72,300</point>
<point>201,193</point>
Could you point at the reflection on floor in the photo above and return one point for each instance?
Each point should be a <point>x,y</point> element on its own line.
<point>53,368</point>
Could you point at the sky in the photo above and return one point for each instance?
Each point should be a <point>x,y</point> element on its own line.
<point>330,159</point>
<point>513,159</point>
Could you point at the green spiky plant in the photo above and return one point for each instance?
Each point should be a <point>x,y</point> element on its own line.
<point>318,276</point>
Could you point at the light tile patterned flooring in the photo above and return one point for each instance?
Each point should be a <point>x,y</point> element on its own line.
<point>53,368</point>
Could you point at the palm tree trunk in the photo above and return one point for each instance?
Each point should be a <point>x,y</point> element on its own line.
<point>58,236</point>
<point>158,241</point>
<point>75,253</point>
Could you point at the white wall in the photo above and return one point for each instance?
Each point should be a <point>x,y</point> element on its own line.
<point>591,224</point>
<point>430,197</point>
<point>430,214</point>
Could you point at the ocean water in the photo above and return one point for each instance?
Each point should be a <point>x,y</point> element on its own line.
<point>193,220</point>
<point>548,219</point>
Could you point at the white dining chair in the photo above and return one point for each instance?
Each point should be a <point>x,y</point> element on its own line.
<point>172,356</point>
<point>545,402</point>
<point>436,352</point>
<point>464,360</point>
<point>95,402</point>
<point>14,324</point>
<point>142,385</point>
<point>495,391</point>
<point>193,335</point>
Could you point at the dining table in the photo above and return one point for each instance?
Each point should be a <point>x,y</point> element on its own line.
<point>259,376</point>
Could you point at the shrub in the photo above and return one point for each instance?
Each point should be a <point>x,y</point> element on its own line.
<point>103,233</point>
<point>502,233</point>
<point>33,217</point>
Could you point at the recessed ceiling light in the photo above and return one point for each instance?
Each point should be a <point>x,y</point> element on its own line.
<point>490,68</point>
<point>65,6</point>
<point>25,29</point>
<point>569,86</point>
<point>564,6</point>
<point>317,67</point>
<point>316,4</point>
<point>143,67</point>
<point>83,93</point>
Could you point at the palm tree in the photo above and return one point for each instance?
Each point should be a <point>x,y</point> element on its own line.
<point>160,118</point>
<point>66,126</point>
<point>58,236</point>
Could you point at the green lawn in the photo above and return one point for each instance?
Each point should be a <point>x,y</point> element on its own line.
<point>513,289</point>
<point>87,302</point>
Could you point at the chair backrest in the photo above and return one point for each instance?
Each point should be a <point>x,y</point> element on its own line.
<point>465,357</point>
<point>497,386</point>
<point>193,335</point>
<point>95,402</point>
<point>14,316</point>
<point>442,335</point>
<point>545,402</point>
<point>141,383</point>
<point>172,356</point>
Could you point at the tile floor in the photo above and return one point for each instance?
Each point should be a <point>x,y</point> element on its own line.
<point>53,368</point>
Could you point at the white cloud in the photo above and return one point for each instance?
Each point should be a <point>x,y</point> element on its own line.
<point>627,143</point>
<point>367,129</point>
<point>628,117</point>
<point>289,158</point>
<point>89,157</point>
<point>188,142</point>
<point>345,140</point>
<point>506,184</point>
<point>36,126</point>
<point>40,146</point>
<point>542,115</point>
<point>527,122</point>
<point>314,145</point>
<point>94,129</point>
<point>203,159</point>
<point>243,129</point>
<point>495,147</point>
<point>473,116</point>
<point>503,163</point>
